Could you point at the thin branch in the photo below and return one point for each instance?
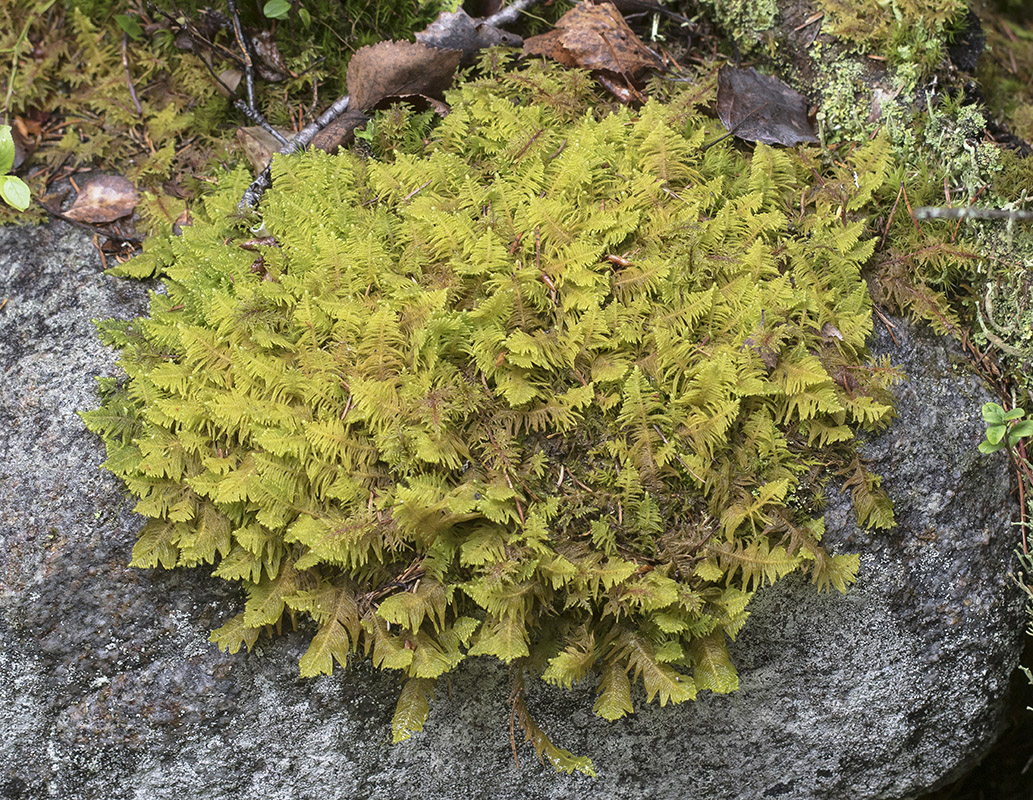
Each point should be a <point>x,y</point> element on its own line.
<point>129,77</point>
<point>970,212</point>
<point>253,194</point>
<point>259,120</point>
<point>510,13</point>
<point>244,43</point>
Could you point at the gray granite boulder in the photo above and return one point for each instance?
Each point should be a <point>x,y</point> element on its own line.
<point>109,688</point>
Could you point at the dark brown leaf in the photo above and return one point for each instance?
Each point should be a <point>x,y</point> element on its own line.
<point>229,80</point>
<point>459,31</point>
<point>182,221</point>
<point>550,45</point>
<point>104,199</point>
<point>391,70</point>
<point>339,133</point>
<point>259,145</point>
<point>273,67</point>
<point>19,135</point>
<point>596,37</point>
<point>759,108</point>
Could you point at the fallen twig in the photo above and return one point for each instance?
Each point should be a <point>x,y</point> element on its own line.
<point>253,193</point>
<point>129,77</point>
<point>509,14</point>
<point>970,212</point>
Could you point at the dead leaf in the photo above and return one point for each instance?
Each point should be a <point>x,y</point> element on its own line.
<point>392,70</point>
<point>830,331</point>
<point>104,199</point>
<point>459,31</point>
<point>229,80</point>
<point>339,133</point>
<point>18,134</point>
<point>259,145</point>
<point>273,67</point>
<point>596,37</point>
<point>387,72</point>
<point>182,221</point>
<point>760,108</point>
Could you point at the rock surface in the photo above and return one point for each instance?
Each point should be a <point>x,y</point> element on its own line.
<point>109,688</point>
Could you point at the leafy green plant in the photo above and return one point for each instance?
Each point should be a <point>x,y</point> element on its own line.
<point>550,385</point>
<point>1004,429</point>
<point>12,188</point>
<point>276,9</point>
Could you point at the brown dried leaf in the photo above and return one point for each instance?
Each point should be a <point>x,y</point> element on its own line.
<point>339,133</point>
<point>104,199</point>
<point>596,37</point>
<point>759,108</point>
<point>830,331</point>
<point>229,80</point>
<point>273,67</point>
<point>18,134</point>
<point>184,220</point>
<point>393,70</point>
<point>550,45</point>
<point>459,31</point>
<point>259,145</point>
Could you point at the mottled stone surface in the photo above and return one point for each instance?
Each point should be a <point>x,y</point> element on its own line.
<point>109,688</point>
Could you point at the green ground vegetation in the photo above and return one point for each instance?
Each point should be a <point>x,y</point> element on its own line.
<point>70,71</point>
<point>553,383</point>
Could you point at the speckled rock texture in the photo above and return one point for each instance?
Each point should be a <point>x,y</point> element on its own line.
<point>109,688</point>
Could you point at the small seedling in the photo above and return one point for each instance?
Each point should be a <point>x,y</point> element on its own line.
<point>276,9</point>
<point>1003,428</point>
<point>13,190</point>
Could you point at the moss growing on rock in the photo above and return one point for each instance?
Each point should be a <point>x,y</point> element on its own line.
<point>552,385</point>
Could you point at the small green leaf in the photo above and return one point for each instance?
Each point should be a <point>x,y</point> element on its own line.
<point>14,191</point>
<point>305,17</point>
<point>276,9</point>
<point>995,433</point>
<point>987,448</point>
<point>6,149</point>
<point>1024,428</point>
<point>1015,413</point>
<point>130,26</point>
<point>993,413</point>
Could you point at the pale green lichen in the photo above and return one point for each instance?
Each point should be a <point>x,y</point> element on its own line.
<point>846,102</point>
<point>746,22</point>
<point>951,136</point>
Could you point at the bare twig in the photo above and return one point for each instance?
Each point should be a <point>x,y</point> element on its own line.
<point>510,13</point>
<point>129,77</point>
<point>970,212</point>
<point>258,187</point>
<point>257,118</point>
<point>244,43</point>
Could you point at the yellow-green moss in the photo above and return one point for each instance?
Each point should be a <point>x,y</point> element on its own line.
<point>551,385</point>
